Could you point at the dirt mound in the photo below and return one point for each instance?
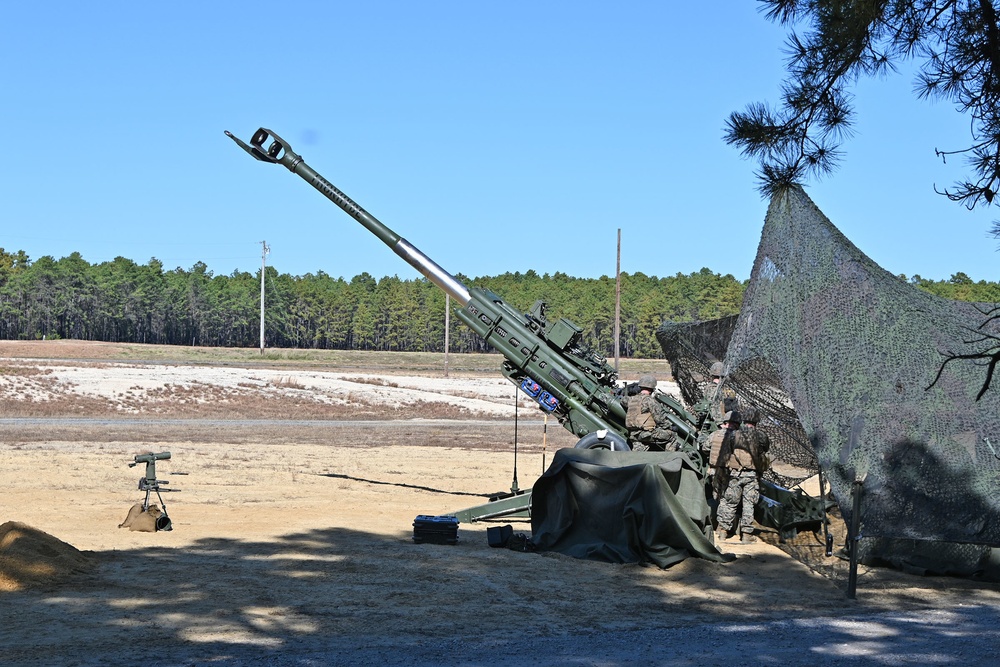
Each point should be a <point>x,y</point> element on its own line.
<point>30,557</point>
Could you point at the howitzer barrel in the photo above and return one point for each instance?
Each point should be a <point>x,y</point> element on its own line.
<point>547,361</point>
<point>279,152</point>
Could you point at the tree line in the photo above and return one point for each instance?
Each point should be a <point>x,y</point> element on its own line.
<point>122,301</point>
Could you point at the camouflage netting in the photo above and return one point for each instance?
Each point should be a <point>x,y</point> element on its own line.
<point>841,357</point>
<point>691,348</point>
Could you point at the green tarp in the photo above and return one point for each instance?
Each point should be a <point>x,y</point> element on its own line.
<point>623,507</point>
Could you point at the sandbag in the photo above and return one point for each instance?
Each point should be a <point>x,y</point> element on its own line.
<point>142,521</point>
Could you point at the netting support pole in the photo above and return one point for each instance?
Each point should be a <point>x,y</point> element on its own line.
<point>854,535</point>
<point>827,535</point>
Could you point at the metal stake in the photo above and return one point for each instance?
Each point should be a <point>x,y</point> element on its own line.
<point>513,484</point>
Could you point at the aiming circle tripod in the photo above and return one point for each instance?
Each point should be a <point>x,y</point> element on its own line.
<point>149,483</point>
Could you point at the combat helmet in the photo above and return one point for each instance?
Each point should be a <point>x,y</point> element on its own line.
<point>715,370</point>
<point>647,382</point>
<point>751,415</point>
<point>733,417</point>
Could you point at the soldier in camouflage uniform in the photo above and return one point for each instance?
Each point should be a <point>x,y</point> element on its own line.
<point>713,448</point>
<point>737,474</point>
<point>751,417</point>
<point>716,400</point>
<point>649,427</point>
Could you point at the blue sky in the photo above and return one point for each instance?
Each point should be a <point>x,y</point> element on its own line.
<point>495,137</point>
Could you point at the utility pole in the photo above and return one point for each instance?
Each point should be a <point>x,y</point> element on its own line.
<point>618,296</point>
<point>447,322</point>
<point>263,261</point>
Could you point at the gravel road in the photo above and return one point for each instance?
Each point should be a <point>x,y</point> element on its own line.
<point>966,636</point>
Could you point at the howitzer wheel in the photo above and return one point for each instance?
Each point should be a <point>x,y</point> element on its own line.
<point>603,440</point>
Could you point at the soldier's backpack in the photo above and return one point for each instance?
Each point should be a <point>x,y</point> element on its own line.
<point>636,419</point>
<point>715,441</point>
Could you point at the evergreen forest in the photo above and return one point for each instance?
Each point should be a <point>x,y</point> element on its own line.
<point>122,301</point>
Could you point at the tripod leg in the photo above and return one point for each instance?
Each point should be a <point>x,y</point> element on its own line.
<point>163,505</point>
<point>163,522</point>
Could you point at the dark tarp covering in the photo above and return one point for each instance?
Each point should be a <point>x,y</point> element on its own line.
<point>623,507</point>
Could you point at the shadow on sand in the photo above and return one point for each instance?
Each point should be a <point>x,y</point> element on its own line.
<point>338,596</point>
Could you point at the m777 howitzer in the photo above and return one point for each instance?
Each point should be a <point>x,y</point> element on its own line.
<point>549,362</point>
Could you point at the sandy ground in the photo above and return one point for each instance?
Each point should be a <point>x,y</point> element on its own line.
<point>292,545</point>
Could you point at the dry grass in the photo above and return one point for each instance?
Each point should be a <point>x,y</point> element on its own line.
<point>288,383</point>
<point>24,370</point>
<point>206,401</point>
<point>32,390</point>
<point>342,360</point>
<point>378,382</point>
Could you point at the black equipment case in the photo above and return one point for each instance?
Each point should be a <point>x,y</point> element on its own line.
<point>435,529</point>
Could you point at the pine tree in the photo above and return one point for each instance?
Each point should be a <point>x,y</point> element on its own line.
<point>956,45</point>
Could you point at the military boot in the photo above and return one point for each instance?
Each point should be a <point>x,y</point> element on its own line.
<point>747,538</point>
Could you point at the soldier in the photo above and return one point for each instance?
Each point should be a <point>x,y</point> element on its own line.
<point>711,409</point>
<point>713,448</point>
<point>737,475</point>
<point>648,425</point>
<point>751,417</point>
<point>716,400</point>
